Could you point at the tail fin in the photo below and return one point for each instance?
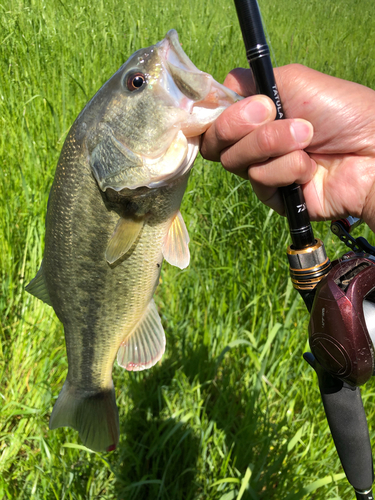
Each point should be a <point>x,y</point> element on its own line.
<point>94,416</point>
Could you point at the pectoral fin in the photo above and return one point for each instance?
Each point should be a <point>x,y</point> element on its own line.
<point>145,345</point>
<point>176,243</point>
<point>123,238</point>
<point>38,287</point>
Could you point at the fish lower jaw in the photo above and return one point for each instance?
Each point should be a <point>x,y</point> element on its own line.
<point>185,166</point>
<point>201,118</point>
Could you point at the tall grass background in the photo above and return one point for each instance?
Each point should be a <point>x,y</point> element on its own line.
<point>232,411</point>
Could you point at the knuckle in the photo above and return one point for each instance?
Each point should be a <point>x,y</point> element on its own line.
<point>227,159</point>
<point>299,165</point>
<point>205,149</point>
<point>267,140</point>
<point>223,129</point>
<point>253,175</point>
<point>257,174</point>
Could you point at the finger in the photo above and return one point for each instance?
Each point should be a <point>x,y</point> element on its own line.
<point>267,177</point>
<point>234,123</point>
<point>241,81</point>
<point>271,140</point>
<point>274,200</point>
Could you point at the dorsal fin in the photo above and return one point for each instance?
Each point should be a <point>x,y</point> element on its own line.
<point>145,345</point>
<point>38,287</point>
<point>176,243</point>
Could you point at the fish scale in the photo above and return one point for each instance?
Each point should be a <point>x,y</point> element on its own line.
<point>83,266</point>
<point>113,216</point>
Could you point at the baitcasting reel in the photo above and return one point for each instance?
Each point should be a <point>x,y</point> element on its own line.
<point>341,299</point>
<point>342,339</point>
<point>342,322</point>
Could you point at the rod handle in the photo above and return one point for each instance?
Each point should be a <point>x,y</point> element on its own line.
<point>347,421</point>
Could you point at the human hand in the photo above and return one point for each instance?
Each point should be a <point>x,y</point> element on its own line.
<point>332,154</point>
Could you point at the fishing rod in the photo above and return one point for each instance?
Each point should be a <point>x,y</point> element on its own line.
<point>334,294</point>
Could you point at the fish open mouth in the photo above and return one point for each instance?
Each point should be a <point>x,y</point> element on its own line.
<point>196,92</point>
<point>203,97</point>
<point>176,54</point>
<point>186,101</point>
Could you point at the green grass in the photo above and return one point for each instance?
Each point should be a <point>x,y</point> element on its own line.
<point>233,411</point>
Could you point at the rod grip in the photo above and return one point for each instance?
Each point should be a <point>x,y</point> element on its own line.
<point>347,422</point>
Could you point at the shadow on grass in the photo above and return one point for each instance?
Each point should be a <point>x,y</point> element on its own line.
<point>161,457</point>
<point>158,455</point>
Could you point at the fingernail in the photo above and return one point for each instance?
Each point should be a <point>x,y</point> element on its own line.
<point>256,112</point>
<point>301,131</point>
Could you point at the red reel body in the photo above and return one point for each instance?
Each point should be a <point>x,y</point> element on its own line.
<point>339,329</point>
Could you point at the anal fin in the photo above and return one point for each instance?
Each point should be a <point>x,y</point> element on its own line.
<point>38,287</point>
<point>125,233</point>
<point>145,345</point>
<point>176,244</point>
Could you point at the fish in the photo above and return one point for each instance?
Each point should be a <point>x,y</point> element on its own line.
<point>113,216</point>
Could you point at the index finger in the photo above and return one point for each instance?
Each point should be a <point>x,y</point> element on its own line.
<point>235,123</point>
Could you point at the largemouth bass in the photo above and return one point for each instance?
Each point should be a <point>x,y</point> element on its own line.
<point>113,215</point>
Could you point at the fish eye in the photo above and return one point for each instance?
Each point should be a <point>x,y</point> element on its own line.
<point>135,81</point>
